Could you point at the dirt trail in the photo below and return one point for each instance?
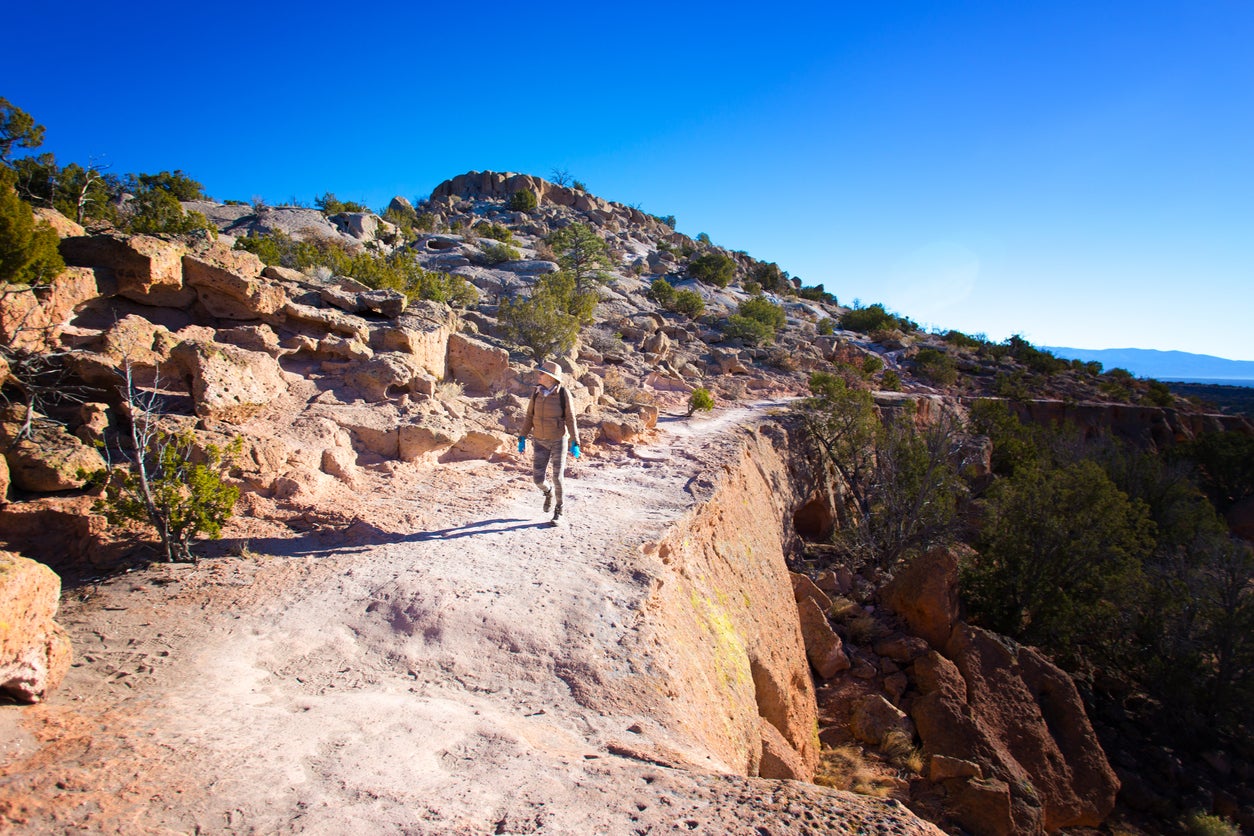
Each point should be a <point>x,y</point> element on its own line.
<point>418,671</point>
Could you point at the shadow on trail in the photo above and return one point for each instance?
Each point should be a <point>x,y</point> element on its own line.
<point>497,526</point>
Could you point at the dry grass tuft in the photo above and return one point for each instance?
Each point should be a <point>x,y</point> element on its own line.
<point>847,768</point>
<point>900,750</point>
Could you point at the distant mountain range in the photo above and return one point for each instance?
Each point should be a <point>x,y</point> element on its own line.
<point>1164,365</point>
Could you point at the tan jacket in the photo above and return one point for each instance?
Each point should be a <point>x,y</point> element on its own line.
<point>550,417</point>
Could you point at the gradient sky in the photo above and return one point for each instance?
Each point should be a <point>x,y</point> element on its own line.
<point>1078,173</point>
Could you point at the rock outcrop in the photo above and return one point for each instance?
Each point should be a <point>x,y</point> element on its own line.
<point>988,701</point>
<point>722,626</point>
<point>34,649</point>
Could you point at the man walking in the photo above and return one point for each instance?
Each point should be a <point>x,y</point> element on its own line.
<point>550,422</point>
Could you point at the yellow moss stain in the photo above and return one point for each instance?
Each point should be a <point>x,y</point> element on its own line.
<point>731,657</point>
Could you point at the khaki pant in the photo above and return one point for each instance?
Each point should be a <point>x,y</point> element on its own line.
<point>549,454</point>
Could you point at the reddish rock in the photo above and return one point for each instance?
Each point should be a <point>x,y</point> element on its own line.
<point>434,434</point>
<point>228,284</point>
<point>61,225</point>
<point>473,445</point>
<point>983,806</point>
<point>875,717</point>
<point>925,595</point>
<point>779,759</point>
<point>34,650</point>
<point>941,768</point>
<point>824,649</point>
<point>388,375</point>
<point>478,366</point>
<point>228,383</point>
<point>33,318</point>
<point>146,269</point>
<point>803,587</point>
<point>990,706</point>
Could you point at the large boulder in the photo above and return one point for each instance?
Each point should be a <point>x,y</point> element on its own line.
<point>327,320</point>
<point>50,459</point>
<point>779,759</point>
<point>34,650</point>
<point>1019,718</point>
<point>228,383</point>
<point>61,225</point>
<point>385,302</point>
<point>824,649</point>
<point>33,318</point>
<point>479,367</point>
<point>874,718</point>
<point>389,374</point>
<point>1033,709</point>
<point>431,434</point>
<point>147,270</point>
<point>229,284</point>
<point>924,594</point>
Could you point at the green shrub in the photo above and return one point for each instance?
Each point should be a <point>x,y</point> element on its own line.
<point>157,212</point>
<point>870,365</point>
<point>689,303</point>
<point>331,205</point>
<point>548,322</point>
<point>891,381</point>
<point>700,400</point>
<point>174,183</point>
<point>1058,555</point>
<point>747,329</point>
<point>826,327</point>
<point>770,277</point>
<point>1037,360</point>
<point>755,321</point>
<point>1159,394</point>
<point>523,200</point>
<point>498,253</point>
<point>166,490</point>
<point>936,366</point>
<point>1198,823</point>
<point>817,294</point>
<point>497,232</point>
<point>764,311</point>
<point>662,292</point>
<point>17,129</point>
<point>398,271</point>
<point>668,220</point>
<point>582,253</point>
<point>28,250</point>
<point>866,320</point>
<point>752,288</point>
<point>961,340</point>
<point>713,268</point>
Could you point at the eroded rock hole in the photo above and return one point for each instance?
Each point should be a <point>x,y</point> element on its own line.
<point>814,521</point>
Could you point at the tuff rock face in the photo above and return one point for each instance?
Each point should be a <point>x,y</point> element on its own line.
<point>34,650</point>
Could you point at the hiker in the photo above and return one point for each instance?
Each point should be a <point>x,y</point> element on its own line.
<point>550,421</point>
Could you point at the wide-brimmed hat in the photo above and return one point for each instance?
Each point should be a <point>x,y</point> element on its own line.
<point>551,369</point>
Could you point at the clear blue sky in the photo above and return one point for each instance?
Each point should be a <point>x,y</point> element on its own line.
<point>1079,173</point>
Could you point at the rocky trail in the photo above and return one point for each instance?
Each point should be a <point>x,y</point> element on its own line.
<point>439,660</point>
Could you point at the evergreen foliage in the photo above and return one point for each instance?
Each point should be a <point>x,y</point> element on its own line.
<point>18,129</point>
<point>548,322</point>
<point>28,249</point>
<point>523,200</point>
<point>714,268</point>
<point>583,254</point>
<point>700,401</point>
<point>167,489</point>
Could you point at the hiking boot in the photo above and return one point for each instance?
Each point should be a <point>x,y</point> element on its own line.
<point>548,501</point>
<point>557,516</point>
